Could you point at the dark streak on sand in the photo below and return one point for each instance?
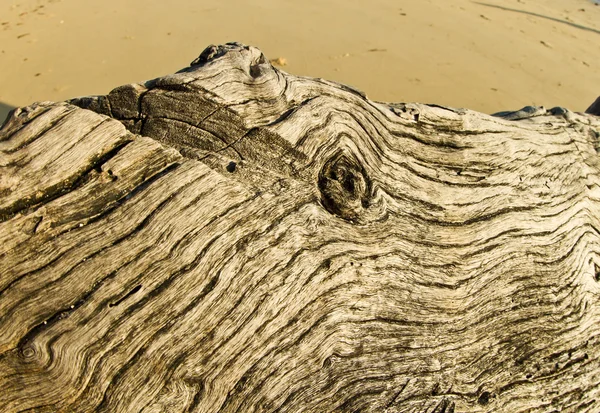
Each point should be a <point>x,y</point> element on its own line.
<point>578,26</point>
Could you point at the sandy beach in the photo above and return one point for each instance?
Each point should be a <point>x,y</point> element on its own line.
<point>487,55</point>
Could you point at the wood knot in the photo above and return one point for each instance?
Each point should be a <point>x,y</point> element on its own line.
<point>28,353</point>
<point>405,112</point>
<point>345,187</point>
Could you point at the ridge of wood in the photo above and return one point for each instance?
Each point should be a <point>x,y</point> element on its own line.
<point>233,238</point>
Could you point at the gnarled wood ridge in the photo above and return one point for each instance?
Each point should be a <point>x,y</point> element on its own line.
<point>232,238</point>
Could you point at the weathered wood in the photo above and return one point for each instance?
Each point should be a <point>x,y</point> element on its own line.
<point>232,238</point>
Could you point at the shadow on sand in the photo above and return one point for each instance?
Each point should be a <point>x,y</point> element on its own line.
<point>4,111</point>
<point>579,26</point>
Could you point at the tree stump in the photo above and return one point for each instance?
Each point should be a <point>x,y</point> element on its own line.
<point>232,238</point>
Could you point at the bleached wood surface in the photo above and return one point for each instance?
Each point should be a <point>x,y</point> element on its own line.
<point>232,238</point>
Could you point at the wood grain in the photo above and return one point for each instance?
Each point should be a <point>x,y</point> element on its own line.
<point>232,238</point>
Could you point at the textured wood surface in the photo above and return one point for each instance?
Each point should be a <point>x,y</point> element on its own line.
<point>232,238</point>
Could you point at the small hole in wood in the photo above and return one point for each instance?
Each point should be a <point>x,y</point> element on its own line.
<point>231,167</point>
<point>255,71</point>
<point>596,272</point>
<point>484,398</point>
<point>349,183</point>
<point>416,117</point>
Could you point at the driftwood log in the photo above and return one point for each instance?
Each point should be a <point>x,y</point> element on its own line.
<point>232,238</point>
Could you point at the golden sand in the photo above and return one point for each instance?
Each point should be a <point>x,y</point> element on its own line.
<point>488,55</point>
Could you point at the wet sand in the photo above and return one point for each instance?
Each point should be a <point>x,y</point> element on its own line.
<point>487,55</point>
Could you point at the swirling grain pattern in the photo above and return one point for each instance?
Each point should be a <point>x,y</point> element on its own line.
<point>232,238</point>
